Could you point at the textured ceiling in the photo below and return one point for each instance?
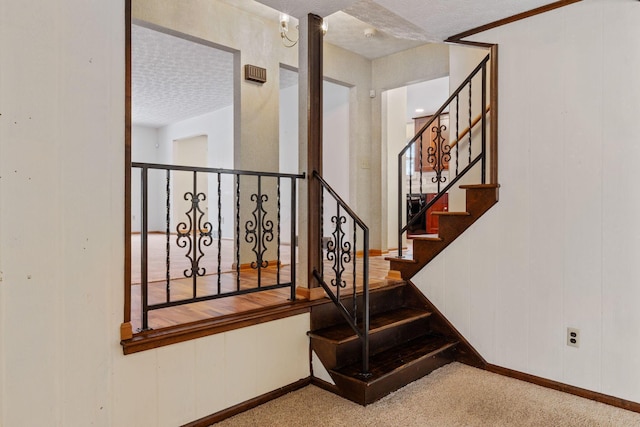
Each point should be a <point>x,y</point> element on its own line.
<point>441,19</point>
<point>174,79</point>
<point>298,8</point>
<point>349,33</point>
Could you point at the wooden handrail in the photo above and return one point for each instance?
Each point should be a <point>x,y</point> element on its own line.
<point>468,129</point>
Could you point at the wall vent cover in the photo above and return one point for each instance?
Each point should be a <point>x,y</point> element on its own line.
<point>255,74</point>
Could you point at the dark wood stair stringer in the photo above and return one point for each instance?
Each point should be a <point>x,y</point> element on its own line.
<point>479,199</point>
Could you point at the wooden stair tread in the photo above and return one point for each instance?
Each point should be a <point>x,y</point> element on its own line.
<point>427,238</point>
<point>446,213</point>
<point>403,356</point>
<point>396,259</point>
<point>378,322</point>
<point>472,186</point>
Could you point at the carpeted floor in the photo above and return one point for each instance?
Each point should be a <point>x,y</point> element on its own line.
<point>454,395</point>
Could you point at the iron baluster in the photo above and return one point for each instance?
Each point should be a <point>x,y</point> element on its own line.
<point>484,127</point>
<point>322,232</point>
<point>355,257</point>
<point>293,238</point>
<point>237,232</point>
<point>278,233</point>
<point>470,81</point>
<point>144,255</point>
<point>194,200</point>
<point>411,169</point>
<point>219,234</point>
<point>421,160</point>
<point>168,237</point>
<point>457,131</point>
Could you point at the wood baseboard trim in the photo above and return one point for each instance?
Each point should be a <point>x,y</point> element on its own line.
<point>324,385</point>
<point>555,385</point>
<point>249,404</point>
<point>510,19</point>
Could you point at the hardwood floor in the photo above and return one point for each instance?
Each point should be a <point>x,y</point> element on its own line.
<point>181,287</point>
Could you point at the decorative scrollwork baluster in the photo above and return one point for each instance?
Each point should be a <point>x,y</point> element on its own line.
<point>438,154</point>
<point>338,251</point>
<point>259,231</point>
<point>195,235</point>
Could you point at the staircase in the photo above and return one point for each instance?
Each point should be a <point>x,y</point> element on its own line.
<point>373,342</point>
<point>408,339</point>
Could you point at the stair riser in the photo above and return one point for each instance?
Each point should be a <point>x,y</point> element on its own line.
<point>478,201</point>
<point>335,356</point>
<point>326,315</point>
<point>427,250</point>
<point>364,394</point>
<point>450,227</point>
<point>410,373</point>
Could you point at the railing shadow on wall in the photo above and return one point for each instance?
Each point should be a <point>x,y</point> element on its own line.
<point>430,156</point>
<point>206,256</point>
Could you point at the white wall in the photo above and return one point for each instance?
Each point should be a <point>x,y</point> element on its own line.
<point>145,148</point>
<point>218,128</point>
<point>289,129</point>
<point>61,216</point>
<point>394,130</point>
<point>151,145</point>
<point>561,248</point>
<point>62,245</point>
<point>428,95</point>
<point>335,137</point>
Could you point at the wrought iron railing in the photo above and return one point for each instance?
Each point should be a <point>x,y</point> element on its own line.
<point>253,247</point>
<point>344,278</point>
<point>429,154</point>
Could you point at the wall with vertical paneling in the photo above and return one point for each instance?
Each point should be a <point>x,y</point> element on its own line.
<point>561,248</point>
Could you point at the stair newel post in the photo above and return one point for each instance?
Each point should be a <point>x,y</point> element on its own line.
<point>314,58</point>
<point>484,123</point>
